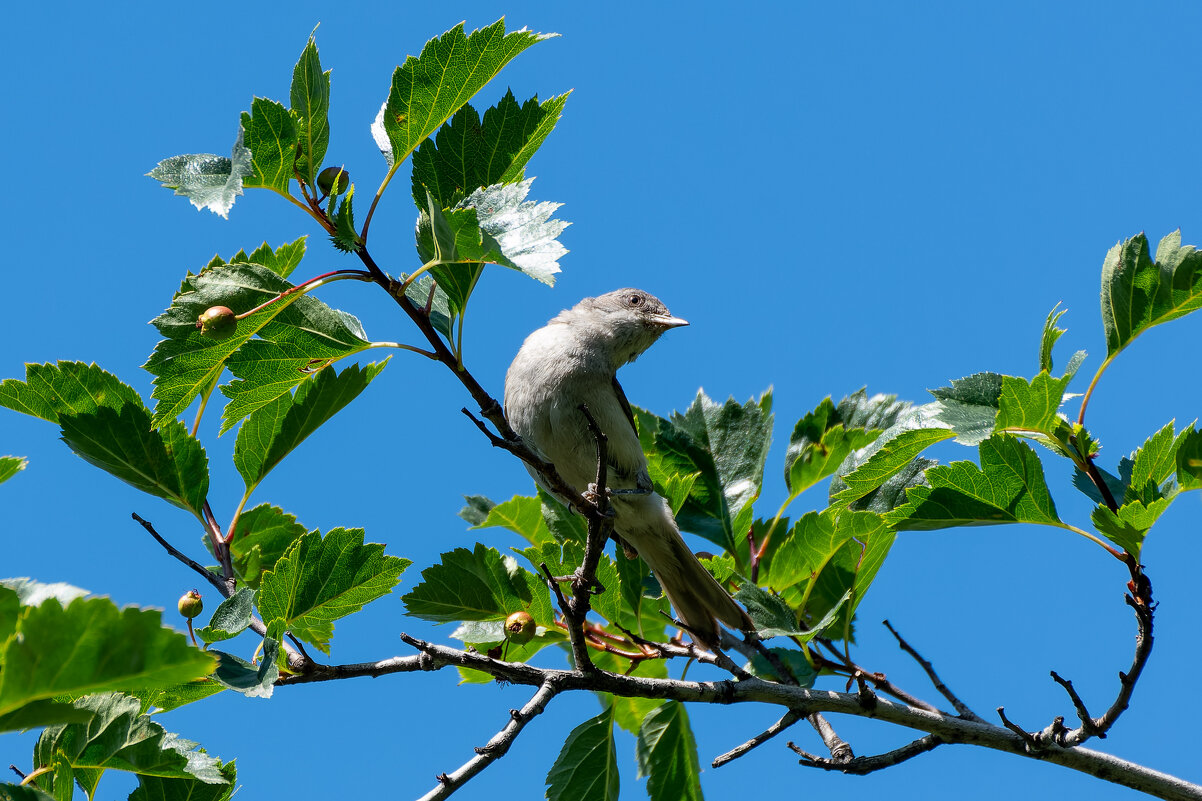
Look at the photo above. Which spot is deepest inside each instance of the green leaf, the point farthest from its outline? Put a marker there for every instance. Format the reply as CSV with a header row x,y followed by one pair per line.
x,y
50,390
470,585
898,452
642,598
564,559
271,133
521,514
467,155
476,510
321,579
1130,525
1189,459
310,97
1138,294
819,444
167,462
298,334
1008,487
34,593
167,698
119,737
231,617
726,445
564,524
16,792
10,466
667,755
274,430
587,766
425,293
794,661
261,536
806,549
281,261
1050,334
156,788
770,613
345,237
253,681
208,181
92,647
969,406
428,89
1026,407
1151,465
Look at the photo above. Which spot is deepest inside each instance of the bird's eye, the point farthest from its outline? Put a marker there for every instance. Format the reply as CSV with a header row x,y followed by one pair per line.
x,y
634,300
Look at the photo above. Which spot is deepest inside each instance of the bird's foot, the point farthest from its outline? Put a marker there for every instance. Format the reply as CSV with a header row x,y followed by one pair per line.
x,y
593,496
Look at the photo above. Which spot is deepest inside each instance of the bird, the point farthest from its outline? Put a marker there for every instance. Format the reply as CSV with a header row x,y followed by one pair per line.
x,y
574,360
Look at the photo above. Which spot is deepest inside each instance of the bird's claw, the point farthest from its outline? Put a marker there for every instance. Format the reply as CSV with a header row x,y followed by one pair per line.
x,y
593,496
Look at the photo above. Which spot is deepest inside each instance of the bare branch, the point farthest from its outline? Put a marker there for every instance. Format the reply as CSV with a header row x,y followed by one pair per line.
x,y
936,682
497,747
787,720
862,765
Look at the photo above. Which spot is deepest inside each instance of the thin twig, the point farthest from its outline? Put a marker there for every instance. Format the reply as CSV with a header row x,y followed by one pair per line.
x,y
197,567
497,747
961,707
862,765
787,720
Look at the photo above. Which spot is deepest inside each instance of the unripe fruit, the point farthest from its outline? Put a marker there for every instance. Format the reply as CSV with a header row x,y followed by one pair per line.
x,y
218,322
190,604
325,180
519,628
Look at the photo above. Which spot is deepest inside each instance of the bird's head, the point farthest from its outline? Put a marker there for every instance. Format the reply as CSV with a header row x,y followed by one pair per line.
x,y
625,322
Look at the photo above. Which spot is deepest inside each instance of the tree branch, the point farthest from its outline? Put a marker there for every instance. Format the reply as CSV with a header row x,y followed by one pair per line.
x,y
497,747
787,720
936,682
862,765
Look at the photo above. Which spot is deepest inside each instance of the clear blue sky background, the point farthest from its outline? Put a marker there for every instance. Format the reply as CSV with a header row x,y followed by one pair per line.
x,y
880,194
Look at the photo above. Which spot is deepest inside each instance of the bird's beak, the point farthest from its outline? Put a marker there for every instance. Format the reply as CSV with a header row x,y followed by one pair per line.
x,y
668,321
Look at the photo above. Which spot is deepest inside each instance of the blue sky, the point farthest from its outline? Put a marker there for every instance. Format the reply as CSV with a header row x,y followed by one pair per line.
x,y
835,196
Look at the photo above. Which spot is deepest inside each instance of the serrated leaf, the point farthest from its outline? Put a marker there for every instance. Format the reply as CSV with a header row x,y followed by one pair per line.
x,y
297,335
167,462
50,390
345,237
521,514
261,536
470,585
425,293
773,617
157,788
564,524
93,647
467,154
18,792
1116,485
819,444
321,579
310,98
281,261
231,617
1030,406
563,560
667,755
1050,334
32,593
167,698
119,737
969,406
253,681
1138,293
475,510
726,445
899,451
587,766
208,181
1189,459
10,466
1152,464
521,229
1008,487
428,89
274,430
806,549
271,133
1128,527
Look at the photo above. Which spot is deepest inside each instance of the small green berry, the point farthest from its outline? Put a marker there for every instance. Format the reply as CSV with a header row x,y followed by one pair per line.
x,y
218,322
325,180
519,628
190,604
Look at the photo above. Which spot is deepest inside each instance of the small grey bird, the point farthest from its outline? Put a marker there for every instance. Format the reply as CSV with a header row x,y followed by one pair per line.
x,y
574,360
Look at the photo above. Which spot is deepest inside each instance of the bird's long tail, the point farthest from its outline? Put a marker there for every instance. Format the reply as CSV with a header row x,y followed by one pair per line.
x,y
699,600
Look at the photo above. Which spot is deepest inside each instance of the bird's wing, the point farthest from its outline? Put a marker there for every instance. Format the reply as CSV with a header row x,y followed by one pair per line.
x,y
625,405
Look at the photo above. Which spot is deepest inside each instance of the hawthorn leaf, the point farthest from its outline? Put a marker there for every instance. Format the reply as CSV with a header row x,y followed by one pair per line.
x,y
819,444
480,584
428,89
120,737
164,699
1138,293
563,524
208,181
806,548
1129,526
898,452
970,406
794,661
587,766
167,462
253,681
281,261
1151,465
10,466
1008,487
93,646
667,755
321,579
50,390
261,536
231,617
1030,406
158,788
33,593
310,98
271,432
467,154
1189,459
345,237
425,293
521,514
271,133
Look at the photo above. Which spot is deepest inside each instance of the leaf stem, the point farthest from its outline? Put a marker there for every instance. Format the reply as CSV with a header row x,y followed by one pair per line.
x,y
1092,384
311,284
1116,554
411,348
376,200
